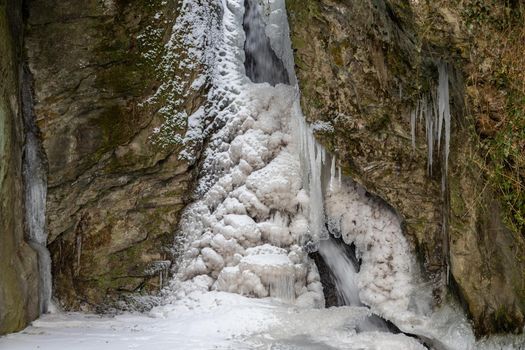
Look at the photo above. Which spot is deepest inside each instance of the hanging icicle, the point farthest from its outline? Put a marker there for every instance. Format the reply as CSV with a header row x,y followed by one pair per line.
x,y
434,110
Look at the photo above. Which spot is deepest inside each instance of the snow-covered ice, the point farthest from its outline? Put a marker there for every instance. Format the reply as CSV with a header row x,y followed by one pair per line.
x,y
243,234
219,320
213,320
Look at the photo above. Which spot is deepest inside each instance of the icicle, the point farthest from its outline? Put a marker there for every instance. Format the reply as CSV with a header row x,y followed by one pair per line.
x,y
313,159
332,173
430,139
79,252
421,103
434,109
282,286
413,128
444,108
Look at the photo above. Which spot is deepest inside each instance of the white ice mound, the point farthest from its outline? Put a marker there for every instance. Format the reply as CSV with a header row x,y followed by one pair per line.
x,y
240,227
242,235
277,184
266,271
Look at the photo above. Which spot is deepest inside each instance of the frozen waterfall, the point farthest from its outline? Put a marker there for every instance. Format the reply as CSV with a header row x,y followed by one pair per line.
x,y
269,194
277,194
243,235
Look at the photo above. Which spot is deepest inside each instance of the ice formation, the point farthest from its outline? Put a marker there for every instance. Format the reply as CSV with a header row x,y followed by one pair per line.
x,y
434,111
388,280
214,320
35,188
270,193
385,281
243,234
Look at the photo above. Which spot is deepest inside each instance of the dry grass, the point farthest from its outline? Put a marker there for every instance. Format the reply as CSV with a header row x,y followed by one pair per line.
x,y
496,96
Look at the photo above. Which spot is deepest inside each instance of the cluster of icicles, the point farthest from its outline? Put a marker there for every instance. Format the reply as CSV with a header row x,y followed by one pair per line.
x,y
434,111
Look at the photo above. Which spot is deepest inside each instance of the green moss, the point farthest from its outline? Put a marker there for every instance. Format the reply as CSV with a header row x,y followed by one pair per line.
x,y
503,321
457,203
304,10
298,43
125,79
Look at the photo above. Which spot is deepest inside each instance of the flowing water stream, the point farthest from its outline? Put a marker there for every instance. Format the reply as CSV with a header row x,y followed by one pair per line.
x,y
343,269
261,63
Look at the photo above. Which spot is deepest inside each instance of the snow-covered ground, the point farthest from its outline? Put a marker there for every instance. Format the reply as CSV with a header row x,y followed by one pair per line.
x,y
219,320
213,320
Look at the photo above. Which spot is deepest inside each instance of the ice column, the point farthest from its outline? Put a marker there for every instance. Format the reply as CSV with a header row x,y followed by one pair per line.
x,y
313,160
35,180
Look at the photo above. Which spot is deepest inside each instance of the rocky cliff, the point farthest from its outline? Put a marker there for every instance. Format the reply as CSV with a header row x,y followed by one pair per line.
x,y
108,83
19,302
363,67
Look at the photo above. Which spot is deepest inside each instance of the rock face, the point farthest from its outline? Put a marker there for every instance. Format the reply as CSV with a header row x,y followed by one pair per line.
x,y
18,261
362,67
355,68
101,82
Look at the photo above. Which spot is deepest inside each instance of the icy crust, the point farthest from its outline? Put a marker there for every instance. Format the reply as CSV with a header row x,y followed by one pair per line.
x,y
218,320
241,236
388,280
385,278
